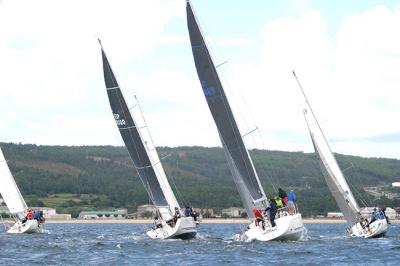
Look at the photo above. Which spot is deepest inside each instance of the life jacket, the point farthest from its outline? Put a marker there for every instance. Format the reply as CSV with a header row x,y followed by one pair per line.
x,y
279,203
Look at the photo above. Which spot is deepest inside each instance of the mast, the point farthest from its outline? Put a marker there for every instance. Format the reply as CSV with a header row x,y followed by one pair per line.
x,y
240,163
331,171
140,146
9,190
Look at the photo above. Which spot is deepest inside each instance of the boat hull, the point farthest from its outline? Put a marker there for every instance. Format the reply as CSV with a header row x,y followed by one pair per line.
x,y
185,228
288,228
378,228
29,227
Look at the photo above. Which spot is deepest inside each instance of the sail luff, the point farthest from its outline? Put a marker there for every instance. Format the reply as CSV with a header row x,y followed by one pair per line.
x,y
9,190
239,159
140,146
333,175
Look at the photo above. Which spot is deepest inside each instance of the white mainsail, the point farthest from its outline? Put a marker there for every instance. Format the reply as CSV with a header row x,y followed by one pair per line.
x,y
333,175
9,190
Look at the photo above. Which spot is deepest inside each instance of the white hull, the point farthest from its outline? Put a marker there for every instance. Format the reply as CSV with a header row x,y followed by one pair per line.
x,y
378,228
29,227
185,228
288,228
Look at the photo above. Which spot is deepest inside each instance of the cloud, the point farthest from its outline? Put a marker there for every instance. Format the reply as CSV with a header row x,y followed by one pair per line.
x,y
51,65
351,80
53,92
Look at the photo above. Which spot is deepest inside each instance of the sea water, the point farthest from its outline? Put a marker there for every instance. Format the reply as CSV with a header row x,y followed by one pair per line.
x,y
127,244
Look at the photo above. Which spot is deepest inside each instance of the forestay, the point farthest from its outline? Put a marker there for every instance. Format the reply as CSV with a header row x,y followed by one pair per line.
x,y
333,175
140,146
9,190
241,165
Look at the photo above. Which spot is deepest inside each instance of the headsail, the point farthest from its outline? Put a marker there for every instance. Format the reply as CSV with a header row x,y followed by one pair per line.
x,y
140,146
241,165
9,190
333,175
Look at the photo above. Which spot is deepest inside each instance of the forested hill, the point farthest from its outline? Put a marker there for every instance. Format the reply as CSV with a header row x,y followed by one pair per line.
x,y
104,177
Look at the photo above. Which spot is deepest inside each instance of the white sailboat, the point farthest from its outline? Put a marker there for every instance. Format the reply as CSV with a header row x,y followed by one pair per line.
x,y
138,141
357,226
289,226
15,202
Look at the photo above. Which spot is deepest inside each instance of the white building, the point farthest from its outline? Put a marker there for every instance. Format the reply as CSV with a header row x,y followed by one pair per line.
x,y
396,184
147,208
335,215
234,212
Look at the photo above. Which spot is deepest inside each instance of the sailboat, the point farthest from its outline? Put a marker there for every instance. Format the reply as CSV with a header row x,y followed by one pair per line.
x,y
357,226
288,226
138,141
15,202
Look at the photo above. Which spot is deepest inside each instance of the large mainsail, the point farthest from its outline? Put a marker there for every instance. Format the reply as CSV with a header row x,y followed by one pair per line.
x,y
241,165
333,175
140,146
9,190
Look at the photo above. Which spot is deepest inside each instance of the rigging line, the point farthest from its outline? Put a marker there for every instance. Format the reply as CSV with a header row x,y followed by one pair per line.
x,y
273,177
182,199
312,112
368,199
164,185
114,80
359,194
245,156
215,75
233,123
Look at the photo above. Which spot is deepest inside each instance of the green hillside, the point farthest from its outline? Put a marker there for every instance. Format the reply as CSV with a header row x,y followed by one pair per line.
x,y
80,178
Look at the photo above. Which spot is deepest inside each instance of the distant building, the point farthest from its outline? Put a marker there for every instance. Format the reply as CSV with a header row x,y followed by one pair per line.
x,y
335,215
233,212
4,210
147,208
396,184
115,214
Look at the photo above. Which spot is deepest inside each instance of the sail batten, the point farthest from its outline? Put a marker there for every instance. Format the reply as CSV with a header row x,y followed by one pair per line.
x,y
330,169
9,190
238,157
140,146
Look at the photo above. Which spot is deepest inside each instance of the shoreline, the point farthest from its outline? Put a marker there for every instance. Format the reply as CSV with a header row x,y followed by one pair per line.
x,y
203,221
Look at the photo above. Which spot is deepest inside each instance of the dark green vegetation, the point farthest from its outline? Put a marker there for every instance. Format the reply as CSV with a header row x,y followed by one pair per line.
x,y
101,177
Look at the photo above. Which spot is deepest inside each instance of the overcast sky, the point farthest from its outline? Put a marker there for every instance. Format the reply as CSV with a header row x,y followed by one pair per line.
x,y
346,54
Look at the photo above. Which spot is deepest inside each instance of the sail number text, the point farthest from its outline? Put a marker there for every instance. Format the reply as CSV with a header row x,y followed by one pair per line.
x,y
120,122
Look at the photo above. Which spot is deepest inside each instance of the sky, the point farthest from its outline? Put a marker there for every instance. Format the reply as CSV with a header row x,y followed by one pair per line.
x,y
345,53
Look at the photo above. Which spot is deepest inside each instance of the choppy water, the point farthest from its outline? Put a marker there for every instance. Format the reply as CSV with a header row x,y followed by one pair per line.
x,y
111,244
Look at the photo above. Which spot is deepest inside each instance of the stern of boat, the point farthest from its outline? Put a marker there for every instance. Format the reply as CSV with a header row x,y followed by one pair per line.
x,y
29,227
185,228
378,228
288,228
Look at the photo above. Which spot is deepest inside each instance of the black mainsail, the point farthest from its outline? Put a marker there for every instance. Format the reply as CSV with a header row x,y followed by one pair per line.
x,y
141,151
241,165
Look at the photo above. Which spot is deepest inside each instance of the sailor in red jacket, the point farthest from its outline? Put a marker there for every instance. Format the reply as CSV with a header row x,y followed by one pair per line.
x,y
259,217
29,215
